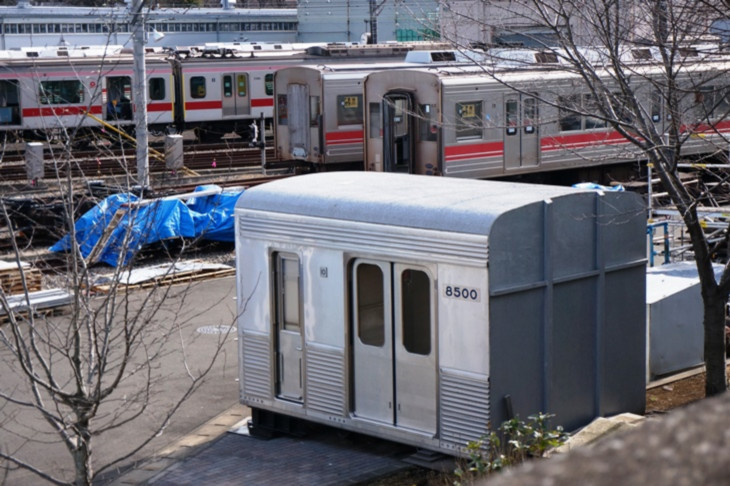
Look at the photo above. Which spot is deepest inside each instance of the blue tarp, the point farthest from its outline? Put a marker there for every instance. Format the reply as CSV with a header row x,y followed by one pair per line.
x,y
209,217
598,187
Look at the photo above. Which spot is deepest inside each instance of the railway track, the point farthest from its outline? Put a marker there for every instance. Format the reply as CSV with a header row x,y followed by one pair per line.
x,y
114,162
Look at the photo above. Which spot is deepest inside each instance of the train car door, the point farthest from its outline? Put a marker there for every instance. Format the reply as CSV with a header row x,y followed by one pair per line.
x,y
397,132
236,98
119,98
521,133
288,327
394,351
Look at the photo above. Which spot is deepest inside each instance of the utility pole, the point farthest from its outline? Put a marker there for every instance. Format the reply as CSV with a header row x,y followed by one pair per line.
x,y
139,94
375,10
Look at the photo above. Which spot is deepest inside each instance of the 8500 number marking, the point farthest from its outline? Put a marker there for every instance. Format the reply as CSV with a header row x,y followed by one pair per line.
x,y
462,293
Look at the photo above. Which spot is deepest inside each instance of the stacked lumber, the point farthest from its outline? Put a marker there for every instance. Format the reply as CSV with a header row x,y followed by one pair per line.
x,y
11,277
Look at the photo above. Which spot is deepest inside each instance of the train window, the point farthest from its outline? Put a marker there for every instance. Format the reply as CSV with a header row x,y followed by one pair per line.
x,y
286,292
241,84
712,102
511,116
370,305
531,114
590,106
269,84
415,307
468,120
427,126
227,86
314,111
157,89
376,123
569,120
281,110
61,92
349,109
9,102
656,106
197,87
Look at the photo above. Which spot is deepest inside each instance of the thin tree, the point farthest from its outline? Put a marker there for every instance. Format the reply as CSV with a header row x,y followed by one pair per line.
x,y
81,378
650,72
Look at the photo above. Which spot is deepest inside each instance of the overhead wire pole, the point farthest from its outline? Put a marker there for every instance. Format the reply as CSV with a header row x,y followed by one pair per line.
x,y
139,94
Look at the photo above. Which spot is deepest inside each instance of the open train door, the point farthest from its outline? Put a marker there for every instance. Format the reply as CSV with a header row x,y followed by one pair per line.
x,y
398,133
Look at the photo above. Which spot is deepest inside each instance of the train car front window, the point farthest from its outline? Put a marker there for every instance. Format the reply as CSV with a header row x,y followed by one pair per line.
x,y
376,123
63,92
469,120
269,84
349,109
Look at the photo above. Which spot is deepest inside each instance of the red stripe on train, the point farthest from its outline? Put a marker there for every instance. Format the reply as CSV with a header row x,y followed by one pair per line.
x,y
259,102
60,111
203,105
454,153
580,140
341,138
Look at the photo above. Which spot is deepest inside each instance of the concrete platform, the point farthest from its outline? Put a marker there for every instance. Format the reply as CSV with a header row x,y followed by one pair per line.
x,y
324,457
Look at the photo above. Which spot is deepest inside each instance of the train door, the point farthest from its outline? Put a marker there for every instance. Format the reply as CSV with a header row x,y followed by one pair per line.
x,y
288,327
119,98
394,349
397,132
236,98
521,133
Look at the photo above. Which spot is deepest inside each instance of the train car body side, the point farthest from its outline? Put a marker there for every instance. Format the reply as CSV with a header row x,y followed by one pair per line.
x,y
427,310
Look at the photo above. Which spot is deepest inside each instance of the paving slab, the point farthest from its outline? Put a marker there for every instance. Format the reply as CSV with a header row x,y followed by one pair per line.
x,y
325,456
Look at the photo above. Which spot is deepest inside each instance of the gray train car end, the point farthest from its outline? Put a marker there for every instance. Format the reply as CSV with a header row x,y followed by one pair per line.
x,y
428,310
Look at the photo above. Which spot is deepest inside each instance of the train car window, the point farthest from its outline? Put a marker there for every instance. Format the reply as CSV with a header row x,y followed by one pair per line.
x,y
269,84
62,92
656,106
531,114
241,85
157,89
287,291
349,109
569,120
712,102
376,123
197,87
314,111
282,112
511,117
590,106
427,126
416,311
227,86
9,102
370,305
469,120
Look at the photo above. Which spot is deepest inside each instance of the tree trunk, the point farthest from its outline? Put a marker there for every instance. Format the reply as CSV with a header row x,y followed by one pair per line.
x,y
714,322
82,456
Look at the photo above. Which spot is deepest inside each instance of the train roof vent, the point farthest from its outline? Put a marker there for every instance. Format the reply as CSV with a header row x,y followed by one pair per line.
x,y
546,57
32,53
428,57
62,52
688,52
256,48
641,54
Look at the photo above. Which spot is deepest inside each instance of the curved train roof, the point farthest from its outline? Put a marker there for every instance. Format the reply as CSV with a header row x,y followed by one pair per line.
x,y
426,202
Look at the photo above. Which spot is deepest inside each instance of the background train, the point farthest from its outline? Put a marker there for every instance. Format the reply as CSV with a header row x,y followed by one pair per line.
x,y
498,119
215,89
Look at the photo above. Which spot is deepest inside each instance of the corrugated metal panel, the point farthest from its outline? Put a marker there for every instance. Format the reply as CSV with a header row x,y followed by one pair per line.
x,y
325,384
343,235
464,408
256,366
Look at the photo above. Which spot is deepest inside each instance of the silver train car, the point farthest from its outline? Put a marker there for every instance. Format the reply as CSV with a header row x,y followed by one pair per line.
x,y
214,89
443,122
319,109
428,310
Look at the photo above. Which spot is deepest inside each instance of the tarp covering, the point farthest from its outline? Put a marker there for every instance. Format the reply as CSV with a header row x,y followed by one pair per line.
x,y
137,225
